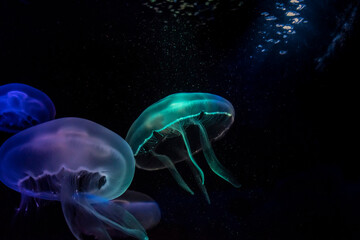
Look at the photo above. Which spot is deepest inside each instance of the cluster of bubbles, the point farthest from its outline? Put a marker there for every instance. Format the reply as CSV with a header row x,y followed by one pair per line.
x,y
281,25
203,9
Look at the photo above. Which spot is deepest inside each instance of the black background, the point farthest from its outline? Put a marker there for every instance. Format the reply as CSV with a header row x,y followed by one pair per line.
x,y
292,145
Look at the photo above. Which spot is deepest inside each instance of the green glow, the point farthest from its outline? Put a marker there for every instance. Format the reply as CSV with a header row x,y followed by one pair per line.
x,y
165,122
188,149
171,166
199,181
177,121
212,160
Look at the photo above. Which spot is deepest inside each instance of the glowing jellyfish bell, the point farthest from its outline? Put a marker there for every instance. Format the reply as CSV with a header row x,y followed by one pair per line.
x,y
80,163
22,106
174,128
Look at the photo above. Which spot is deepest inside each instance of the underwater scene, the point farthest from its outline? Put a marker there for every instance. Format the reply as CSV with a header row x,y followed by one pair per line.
x,y
179,119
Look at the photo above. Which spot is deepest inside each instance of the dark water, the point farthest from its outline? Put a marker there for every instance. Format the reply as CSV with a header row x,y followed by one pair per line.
x,y
291,145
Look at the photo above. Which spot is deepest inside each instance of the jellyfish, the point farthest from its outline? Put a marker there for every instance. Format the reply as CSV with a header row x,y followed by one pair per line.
x,y
22,106
175,128
141,206
79,163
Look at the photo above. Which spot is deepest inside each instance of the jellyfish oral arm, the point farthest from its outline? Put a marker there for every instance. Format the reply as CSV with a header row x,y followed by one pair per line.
x,y
198,173
85,219
181,130
81,221
198,181
212,160
88,218
174,172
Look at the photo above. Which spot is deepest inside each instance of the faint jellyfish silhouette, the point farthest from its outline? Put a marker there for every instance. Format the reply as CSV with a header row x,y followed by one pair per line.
x,y
167,132
22,106
141,206
80,163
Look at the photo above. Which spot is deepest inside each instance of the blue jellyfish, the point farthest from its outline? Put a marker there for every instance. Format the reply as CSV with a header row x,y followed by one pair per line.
x,y
80,163
175,128
22,106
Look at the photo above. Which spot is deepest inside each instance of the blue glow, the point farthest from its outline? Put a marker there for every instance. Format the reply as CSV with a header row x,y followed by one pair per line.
x,y
79,163
22,106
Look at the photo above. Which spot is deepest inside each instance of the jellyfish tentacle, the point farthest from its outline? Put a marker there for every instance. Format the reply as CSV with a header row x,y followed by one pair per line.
x,y
75,213
24,202
120,219
90,215
181,130
211,158
199,181
166,161
85,218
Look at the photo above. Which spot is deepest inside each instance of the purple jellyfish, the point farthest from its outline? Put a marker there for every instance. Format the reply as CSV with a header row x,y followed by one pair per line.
x,y
79,163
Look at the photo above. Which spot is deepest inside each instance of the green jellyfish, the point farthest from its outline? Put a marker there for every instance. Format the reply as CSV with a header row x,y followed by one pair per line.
x,y
178,126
